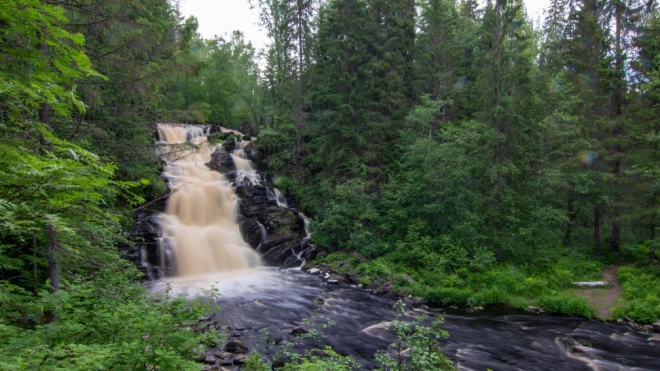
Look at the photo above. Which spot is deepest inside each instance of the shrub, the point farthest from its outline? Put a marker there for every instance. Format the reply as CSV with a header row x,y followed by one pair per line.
x,y
567,304
417,345
641,290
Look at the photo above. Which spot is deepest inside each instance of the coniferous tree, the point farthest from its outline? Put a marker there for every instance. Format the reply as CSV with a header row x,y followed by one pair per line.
x,y
438,53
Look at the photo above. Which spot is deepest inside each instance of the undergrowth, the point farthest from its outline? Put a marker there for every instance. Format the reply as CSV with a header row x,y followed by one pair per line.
x,y
641,293
493,284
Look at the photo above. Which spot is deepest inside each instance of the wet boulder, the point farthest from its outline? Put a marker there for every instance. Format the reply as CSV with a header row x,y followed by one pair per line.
x,y
236,346
252,152
221,161
281,219
144,233
229,145
286,250
254,202
253,232
277,247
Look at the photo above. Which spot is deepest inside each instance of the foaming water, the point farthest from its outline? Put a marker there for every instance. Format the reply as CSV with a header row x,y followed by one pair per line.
x,y
244,167
200,230
259,282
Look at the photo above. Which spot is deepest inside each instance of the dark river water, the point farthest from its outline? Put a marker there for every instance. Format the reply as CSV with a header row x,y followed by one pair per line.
x,y
263,306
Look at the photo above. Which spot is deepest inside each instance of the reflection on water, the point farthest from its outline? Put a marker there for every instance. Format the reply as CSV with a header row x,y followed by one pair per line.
x,y
279,301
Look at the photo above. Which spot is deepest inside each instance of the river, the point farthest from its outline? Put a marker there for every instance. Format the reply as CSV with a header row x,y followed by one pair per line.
x,y
266,304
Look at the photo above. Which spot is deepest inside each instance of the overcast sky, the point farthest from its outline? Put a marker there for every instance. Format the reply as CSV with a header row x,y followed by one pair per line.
x,y
220,17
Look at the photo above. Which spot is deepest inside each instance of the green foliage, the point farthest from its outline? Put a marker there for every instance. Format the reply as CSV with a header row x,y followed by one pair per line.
x,y
641,294
58,201
328,360
40,59
417,346
108,323
568,304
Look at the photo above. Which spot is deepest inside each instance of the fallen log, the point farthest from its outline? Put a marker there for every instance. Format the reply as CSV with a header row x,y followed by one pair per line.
x,y
591,284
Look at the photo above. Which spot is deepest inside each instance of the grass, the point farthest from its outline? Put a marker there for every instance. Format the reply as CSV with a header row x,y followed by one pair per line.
x,y
508,284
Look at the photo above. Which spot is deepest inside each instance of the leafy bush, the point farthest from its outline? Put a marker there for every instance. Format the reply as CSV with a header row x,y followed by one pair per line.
x,y
416,346
641,292
109,323
582,269
568,304
313,360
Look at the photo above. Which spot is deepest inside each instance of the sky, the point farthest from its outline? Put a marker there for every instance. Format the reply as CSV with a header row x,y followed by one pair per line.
x,y
221,17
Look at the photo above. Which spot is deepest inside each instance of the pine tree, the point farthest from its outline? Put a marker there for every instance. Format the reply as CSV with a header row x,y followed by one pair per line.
x,y
506,94
343,90
438,52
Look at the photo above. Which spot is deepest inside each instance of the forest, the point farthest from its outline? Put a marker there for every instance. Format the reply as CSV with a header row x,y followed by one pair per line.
x,y
491,158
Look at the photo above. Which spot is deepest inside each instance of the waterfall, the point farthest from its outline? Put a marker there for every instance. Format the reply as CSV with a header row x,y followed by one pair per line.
x,y
199,227
277,196
308,233
246,172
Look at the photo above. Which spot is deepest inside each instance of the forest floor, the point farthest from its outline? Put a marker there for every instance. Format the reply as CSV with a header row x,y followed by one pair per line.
x,y
604,298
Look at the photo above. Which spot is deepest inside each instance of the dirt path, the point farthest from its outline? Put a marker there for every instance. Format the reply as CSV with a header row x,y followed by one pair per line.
x,y
603,299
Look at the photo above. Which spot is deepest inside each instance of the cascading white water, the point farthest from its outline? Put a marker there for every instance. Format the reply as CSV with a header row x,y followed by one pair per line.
x,y
200,230
246,172
277,196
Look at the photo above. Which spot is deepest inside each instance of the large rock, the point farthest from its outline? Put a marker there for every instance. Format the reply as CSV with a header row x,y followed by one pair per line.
x,y
283,244
236,346
284,219
253,232
221,161
229,145
254,202
247,129
252,152
144,233
286,250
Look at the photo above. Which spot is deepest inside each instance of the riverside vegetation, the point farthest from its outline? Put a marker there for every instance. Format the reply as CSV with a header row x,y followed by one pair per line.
x,y
492,159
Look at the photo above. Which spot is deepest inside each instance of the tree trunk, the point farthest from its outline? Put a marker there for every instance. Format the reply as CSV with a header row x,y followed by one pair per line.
x,y
35,276
617,101
53,270
652,245
597,214
570,214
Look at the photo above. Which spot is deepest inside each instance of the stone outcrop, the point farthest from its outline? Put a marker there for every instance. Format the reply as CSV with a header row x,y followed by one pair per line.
x,y
252,152
276,233
143,251
221,161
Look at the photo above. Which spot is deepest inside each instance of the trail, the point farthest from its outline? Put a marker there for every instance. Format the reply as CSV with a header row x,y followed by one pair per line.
x,y
604,299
